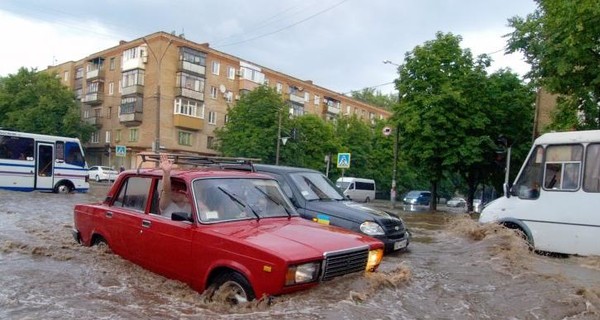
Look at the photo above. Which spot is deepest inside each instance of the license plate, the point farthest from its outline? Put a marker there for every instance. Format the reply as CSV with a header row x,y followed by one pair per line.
x,y
400,244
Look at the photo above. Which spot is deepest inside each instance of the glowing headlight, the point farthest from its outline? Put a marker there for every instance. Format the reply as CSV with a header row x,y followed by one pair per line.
x,y
371,228
302,273
375,257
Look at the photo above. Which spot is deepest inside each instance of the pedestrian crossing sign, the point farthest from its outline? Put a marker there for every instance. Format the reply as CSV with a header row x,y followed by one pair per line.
x,y
121,151
343,161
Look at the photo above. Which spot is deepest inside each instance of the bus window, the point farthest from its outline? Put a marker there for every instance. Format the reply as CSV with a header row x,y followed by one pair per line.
x,y
562,168
528,184
73,154
16,148
591,180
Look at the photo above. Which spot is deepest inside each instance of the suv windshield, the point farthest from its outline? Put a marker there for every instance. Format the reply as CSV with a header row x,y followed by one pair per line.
x,y
233,199
315,186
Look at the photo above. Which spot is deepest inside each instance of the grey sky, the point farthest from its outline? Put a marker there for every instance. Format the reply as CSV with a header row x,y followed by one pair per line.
x,y
339,44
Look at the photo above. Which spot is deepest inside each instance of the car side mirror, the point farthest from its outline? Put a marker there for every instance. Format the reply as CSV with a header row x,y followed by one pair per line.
x,y
181,216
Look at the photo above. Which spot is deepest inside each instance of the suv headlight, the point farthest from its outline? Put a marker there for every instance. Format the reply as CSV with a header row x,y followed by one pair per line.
x,y
371,228
302,273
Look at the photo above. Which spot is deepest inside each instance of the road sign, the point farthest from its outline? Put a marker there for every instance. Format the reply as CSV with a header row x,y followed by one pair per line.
x,y
343,160
121,151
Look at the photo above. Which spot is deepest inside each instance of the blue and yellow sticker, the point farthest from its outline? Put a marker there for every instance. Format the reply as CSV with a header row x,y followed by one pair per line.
x,y
322,219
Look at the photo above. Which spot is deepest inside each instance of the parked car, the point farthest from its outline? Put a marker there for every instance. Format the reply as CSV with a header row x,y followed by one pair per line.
x,y
102,173
456,202
242,234
417,197
317,199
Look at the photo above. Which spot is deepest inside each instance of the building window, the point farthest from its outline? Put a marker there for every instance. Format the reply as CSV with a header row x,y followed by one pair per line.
x,y
79,73
66,76
108,112
231,73
317,99
118,135
119,87
279,87
190,82
215,67
133,135
213,92
193,56
95,138
107,137
92,87
226,118
212,117
189,107
133,78
112,63
210,142
348,110
185,138
306,97
111,88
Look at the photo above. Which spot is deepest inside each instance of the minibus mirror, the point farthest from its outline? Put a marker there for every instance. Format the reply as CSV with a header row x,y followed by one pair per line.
x,y
507,189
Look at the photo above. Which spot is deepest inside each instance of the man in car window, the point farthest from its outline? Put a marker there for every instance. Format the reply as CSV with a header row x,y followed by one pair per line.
x,y
173,197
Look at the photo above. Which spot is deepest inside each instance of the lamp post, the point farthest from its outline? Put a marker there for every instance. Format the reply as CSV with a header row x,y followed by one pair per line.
x,y
159,65
395,164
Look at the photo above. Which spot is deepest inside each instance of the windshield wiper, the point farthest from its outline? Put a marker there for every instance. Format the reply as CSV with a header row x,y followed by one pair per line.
x,y
240,201
277,202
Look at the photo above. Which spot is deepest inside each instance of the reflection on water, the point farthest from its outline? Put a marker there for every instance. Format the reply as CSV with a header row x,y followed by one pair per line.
x,y
455,268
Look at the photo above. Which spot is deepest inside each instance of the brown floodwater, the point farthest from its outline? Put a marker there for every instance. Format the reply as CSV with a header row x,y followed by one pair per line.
x,y
454,269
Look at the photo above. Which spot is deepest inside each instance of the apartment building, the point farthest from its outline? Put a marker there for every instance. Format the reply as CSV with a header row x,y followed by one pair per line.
x,y
164,91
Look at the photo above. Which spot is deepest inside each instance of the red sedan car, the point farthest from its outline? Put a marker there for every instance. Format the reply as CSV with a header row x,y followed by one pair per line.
x,y
241,233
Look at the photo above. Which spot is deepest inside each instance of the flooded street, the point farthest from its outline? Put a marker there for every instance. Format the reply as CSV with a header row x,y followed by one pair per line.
x,y
454,269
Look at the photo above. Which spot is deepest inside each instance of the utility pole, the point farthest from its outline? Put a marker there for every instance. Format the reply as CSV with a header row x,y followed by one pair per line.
x,y
278,138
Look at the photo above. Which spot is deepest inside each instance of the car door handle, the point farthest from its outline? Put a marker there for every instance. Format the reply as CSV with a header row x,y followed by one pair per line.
x,y
108,214
146,223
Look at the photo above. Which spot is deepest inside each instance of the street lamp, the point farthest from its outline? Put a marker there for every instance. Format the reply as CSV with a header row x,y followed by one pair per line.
x,y
395,164
159,64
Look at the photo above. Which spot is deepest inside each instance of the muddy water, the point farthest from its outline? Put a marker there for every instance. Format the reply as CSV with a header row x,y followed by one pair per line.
x,y
455,269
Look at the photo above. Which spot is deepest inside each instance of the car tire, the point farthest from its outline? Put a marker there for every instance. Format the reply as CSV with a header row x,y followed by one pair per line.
x,y
97,178
367,200
231,288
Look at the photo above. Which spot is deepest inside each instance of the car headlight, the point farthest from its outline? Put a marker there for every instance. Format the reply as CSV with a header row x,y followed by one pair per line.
x,y
302,273
371,228
375,257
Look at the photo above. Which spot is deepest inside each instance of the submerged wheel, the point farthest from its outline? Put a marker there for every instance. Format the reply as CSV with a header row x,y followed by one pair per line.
x,y
231,288
97,178
368,199
63,188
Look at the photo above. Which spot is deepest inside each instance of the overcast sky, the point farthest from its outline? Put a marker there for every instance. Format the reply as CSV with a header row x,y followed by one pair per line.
x,y
339,44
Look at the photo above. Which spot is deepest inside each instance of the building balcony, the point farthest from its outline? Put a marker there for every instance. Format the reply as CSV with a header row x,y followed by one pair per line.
x,y
94,74
333,110
246,84
131,119
136,63
136,89
92,98
94,121
296,99
189,93
187,122
192,67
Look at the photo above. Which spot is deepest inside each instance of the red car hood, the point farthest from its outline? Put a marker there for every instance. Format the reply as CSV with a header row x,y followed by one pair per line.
x,y
294,238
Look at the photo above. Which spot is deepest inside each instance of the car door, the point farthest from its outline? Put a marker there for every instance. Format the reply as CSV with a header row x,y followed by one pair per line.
x,y
165,245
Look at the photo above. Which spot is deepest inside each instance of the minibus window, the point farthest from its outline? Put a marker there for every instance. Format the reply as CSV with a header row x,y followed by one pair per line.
x,y
591,179
563,164
528,183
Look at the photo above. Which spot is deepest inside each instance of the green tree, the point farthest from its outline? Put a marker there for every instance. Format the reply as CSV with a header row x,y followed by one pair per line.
x,y
37,102
375,98
560,42
310,139
355,137
439,115
253,124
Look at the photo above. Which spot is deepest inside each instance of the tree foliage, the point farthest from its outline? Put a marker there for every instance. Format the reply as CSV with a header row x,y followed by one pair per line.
x,y
375,98
560,40
37,102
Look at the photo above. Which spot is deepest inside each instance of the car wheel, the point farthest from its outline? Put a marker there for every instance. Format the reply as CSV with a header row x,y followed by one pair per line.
x,y
231,288
97,178
367,199
62,188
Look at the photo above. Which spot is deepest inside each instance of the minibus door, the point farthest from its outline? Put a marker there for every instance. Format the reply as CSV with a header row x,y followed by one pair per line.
x,y
44,167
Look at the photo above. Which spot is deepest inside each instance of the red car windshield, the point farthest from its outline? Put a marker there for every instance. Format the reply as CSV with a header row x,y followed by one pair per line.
x,y
225,199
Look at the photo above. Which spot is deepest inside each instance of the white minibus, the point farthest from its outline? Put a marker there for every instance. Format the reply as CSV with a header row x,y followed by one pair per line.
x,y
357,189
42,162
555,199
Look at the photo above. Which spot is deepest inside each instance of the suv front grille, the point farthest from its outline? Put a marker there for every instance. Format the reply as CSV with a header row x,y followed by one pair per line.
x,y
344,262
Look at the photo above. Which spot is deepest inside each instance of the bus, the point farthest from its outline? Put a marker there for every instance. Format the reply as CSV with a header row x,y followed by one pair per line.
x,y
31,162
555,199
